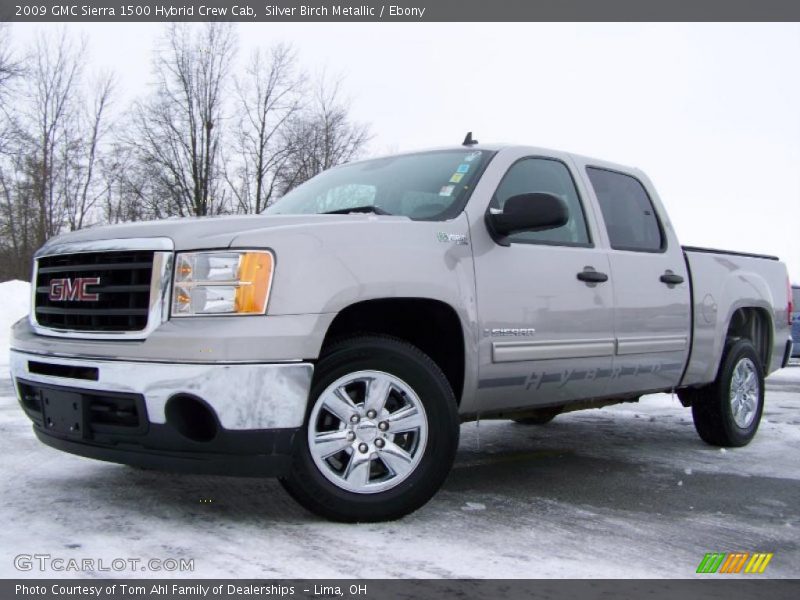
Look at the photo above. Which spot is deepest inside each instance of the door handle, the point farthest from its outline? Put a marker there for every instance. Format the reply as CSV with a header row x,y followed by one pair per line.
x,y
592,276
670,278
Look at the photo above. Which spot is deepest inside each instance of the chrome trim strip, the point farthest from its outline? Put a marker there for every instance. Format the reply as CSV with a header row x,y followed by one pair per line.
x,y
517,351
670,343
147,361
160,284
116,244
256,396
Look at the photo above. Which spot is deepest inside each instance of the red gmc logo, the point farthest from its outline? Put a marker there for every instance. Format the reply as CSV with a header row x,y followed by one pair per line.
x,y
73,290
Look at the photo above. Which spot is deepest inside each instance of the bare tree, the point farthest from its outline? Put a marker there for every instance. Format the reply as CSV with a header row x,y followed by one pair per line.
x,y
201,138
80,168
49,171
18,216
268,96
53,88
321,137
9,67
130,192
10,70
179,130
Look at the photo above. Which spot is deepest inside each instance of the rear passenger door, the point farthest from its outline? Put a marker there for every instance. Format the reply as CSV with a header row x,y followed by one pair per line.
x,y
652,317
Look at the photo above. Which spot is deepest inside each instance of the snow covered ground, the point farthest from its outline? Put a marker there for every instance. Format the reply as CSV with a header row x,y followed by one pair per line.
x,y
625,491
14,302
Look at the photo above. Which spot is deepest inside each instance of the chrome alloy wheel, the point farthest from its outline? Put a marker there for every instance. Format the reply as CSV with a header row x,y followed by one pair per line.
x,y
367,432
744,393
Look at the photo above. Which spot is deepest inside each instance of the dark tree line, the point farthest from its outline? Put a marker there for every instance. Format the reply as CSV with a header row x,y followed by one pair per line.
x,y
208,138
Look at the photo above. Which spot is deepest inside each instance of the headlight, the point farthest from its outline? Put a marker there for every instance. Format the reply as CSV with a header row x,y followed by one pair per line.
x,y
222,283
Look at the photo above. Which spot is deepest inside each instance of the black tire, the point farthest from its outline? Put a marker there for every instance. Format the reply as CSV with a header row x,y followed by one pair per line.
x,y
540,417
711,406
313,490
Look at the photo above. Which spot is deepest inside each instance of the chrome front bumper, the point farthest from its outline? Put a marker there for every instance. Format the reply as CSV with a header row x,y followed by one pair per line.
x,y
243,396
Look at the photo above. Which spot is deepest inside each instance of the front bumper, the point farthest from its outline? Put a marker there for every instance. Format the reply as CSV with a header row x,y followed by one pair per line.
x,y
249,454
211,418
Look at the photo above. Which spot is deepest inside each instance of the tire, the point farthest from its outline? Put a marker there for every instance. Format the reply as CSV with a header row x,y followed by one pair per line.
x,y
367,479
540,417
728,411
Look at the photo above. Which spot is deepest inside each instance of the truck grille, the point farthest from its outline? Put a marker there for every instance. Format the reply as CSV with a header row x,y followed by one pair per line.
x,y
94,291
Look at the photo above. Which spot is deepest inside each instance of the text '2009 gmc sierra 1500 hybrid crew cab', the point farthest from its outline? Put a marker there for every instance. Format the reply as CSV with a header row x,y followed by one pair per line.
x,y
338,340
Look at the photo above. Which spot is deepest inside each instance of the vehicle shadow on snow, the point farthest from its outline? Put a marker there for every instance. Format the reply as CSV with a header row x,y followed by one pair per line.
x,y
567,462
601,463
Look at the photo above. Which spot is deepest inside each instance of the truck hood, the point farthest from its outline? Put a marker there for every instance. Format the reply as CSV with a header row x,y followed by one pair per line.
x,y
194,233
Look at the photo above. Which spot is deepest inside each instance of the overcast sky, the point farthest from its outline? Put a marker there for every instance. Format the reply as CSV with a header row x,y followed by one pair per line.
x,y
710,111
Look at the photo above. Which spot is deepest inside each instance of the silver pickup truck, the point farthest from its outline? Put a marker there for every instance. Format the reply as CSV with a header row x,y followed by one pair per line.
x,y
338,341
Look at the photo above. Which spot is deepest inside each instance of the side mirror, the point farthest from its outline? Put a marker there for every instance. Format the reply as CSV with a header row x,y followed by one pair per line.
x,y
528,212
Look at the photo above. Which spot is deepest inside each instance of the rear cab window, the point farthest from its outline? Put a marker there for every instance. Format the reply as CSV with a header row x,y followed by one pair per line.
x,y
630,218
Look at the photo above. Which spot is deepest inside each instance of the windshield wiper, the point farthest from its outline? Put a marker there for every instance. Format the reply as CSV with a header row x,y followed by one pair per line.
x,y
367,208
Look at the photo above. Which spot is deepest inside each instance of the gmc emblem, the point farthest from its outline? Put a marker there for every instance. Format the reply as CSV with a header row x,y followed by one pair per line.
x,y
73,290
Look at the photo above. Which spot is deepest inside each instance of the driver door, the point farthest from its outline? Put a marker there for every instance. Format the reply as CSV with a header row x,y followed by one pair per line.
x,y
546,335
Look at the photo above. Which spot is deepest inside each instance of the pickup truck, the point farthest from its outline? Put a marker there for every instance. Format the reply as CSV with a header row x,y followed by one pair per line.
x,y
338,340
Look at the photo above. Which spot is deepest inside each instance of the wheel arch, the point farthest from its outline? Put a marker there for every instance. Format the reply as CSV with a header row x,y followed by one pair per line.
x,y
753,323
431,325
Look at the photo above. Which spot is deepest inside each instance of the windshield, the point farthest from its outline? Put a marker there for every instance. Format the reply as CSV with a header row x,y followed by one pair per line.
x,y
423,186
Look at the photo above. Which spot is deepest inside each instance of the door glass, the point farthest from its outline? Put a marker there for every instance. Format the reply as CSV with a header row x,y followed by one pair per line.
x,y
532,175
630,218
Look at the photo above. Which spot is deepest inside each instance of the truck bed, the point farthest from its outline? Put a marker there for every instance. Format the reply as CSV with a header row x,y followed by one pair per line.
x,y
731,252
721,283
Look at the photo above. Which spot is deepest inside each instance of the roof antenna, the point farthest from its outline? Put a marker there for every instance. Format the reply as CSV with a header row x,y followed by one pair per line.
x,y
468,141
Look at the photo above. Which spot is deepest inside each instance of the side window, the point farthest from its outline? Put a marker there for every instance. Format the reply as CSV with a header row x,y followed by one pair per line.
x,y
532,175
630,218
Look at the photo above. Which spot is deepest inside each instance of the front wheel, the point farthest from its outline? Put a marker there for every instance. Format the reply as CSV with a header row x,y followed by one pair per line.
x,y
381,432
728,412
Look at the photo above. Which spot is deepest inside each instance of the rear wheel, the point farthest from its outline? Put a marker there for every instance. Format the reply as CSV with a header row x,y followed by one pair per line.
x,y
381,432
728,412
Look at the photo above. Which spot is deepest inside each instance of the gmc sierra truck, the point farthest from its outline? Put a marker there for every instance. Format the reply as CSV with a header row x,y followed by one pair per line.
x,y
338,340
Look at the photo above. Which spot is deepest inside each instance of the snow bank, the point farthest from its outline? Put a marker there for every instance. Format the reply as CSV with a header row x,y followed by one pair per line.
x,y
790,374
15,298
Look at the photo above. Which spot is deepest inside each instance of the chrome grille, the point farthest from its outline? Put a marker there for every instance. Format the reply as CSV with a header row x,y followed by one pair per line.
x,y
116,300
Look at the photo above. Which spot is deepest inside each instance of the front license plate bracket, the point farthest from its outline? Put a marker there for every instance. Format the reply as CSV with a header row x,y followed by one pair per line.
x,y
62,412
